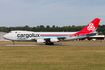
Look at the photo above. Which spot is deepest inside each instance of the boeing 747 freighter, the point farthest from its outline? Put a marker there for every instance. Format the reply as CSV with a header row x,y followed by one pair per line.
x,y
49,38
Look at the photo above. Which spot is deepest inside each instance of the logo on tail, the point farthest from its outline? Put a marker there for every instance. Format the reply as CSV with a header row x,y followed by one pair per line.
x,y
91,27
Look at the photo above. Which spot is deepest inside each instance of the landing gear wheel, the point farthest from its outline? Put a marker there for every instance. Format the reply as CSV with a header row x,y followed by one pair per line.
x,y
49,43
46,43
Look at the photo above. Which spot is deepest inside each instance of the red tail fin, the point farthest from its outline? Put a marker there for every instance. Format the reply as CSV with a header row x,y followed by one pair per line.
x,y
92,26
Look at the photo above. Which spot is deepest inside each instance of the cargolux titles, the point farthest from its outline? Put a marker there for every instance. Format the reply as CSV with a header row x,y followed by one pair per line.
x,y
28,35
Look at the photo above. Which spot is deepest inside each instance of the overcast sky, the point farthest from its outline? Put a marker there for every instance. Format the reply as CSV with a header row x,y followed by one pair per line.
x,y
50,12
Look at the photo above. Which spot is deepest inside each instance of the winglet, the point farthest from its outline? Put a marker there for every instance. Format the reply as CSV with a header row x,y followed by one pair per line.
x,y
91,27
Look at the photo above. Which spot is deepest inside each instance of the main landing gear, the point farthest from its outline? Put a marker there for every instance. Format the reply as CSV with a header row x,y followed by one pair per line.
x,y
49,43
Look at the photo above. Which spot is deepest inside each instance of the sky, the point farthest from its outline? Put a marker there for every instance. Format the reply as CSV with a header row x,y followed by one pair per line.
x,y
50,12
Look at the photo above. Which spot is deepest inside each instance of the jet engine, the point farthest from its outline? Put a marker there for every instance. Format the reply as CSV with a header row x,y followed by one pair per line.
x,y
54,39
40,40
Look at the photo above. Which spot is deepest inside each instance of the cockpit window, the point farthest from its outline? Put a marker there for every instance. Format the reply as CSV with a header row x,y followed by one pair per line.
x,y
10,32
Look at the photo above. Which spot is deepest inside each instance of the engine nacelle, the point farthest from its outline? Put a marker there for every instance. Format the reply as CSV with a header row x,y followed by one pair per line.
x,y
54,39
40,40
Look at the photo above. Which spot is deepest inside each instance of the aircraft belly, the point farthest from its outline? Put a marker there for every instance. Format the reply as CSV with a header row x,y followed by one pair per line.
x,y
73,38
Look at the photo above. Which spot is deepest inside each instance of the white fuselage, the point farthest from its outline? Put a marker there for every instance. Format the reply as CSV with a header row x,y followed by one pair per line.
x,y
32,36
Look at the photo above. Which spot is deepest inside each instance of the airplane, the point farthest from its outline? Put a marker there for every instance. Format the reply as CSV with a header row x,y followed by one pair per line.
x,y
49,38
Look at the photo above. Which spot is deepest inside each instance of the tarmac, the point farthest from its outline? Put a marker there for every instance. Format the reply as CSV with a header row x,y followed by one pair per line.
x,y
57,45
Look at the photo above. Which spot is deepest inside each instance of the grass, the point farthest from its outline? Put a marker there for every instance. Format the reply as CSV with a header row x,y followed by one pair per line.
x,y
53,57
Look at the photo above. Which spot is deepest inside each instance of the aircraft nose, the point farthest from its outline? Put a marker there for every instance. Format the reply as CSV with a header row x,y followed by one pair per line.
x,y
5,36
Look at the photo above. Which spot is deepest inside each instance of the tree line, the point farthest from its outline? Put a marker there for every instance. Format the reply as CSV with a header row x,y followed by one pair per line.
x,y
41,28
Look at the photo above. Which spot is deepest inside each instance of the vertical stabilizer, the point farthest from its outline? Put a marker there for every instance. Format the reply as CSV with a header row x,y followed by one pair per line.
x,y
91,27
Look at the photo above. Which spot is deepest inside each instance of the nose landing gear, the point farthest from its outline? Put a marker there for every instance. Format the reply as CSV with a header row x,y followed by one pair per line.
x,y
13,43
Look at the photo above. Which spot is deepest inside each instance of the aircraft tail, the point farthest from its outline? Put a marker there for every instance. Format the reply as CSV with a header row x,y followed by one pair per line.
x,y
90,28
